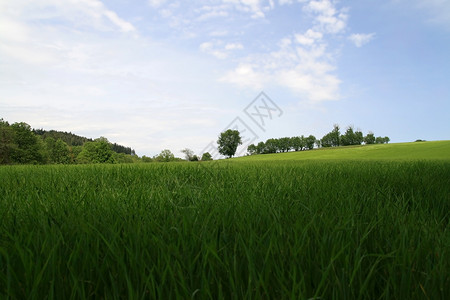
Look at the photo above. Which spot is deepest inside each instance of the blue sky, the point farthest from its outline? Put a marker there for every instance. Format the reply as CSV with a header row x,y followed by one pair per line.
x,y
157,74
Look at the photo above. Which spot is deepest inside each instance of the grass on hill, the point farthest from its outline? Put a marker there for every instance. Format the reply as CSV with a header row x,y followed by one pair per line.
x,y
436,150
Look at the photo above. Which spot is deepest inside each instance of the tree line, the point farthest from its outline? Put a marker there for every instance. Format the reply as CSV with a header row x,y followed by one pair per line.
x,y
332,139
349,138
20,144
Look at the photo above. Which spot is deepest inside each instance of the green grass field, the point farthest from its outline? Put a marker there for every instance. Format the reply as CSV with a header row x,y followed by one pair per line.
x,y
437,150
351,223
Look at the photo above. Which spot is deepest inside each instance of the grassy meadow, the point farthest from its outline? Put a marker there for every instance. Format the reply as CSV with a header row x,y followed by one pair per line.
x,y
436,150
366,222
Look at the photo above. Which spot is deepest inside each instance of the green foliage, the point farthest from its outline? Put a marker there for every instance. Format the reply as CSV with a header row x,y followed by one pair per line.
x,y
75,151
335,135
29,149
327,140
284,144
349,138
369,138
310,141
271,146
75,140
7,145
58,151
189,155
251,149
230,230
261,148
96,152
334,138
20,144
67,137
298,143
382,140
206,156
122,158
165,156
228,142
146,159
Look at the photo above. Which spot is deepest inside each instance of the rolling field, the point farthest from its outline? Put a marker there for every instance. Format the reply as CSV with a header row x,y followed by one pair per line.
x,y
350,223
437,150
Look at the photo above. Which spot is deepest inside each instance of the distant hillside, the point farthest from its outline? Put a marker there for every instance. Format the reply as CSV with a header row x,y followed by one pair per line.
x,y
76,140
436,150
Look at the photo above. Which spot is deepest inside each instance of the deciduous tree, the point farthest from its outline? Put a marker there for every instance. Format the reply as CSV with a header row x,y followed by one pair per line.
x,y
206,156
228,142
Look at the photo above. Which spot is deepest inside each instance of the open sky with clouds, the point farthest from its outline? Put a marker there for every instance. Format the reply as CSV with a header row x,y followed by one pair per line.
x,y
161,74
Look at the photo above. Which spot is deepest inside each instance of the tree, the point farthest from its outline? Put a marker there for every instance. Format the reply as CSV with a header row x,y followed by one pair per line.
x,y
296,143
318,143
30,149
165,156
335,136
58,151
261,148
351,137
387,139
147,159
251,149
75,151
206,156
284,144
7,145
379,140
369,138
228,142
271,146
327,140
359,137
188,154
99,151
122,158
310,141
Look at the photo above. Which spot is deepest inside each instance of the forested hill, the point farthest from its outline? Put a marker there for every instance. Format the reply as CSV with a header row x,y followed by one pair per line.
x,y
75,140
68,137
20,144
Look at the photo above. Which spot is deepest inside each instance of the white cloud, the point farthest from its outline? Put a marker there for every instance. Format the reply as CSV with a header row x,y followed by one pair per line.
x,y
360,39
283,2
212,11
327,17
123,25
309,38
91,14
67,66
209,48
156,3
302,63
246,75
255,7
219,49
234,46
